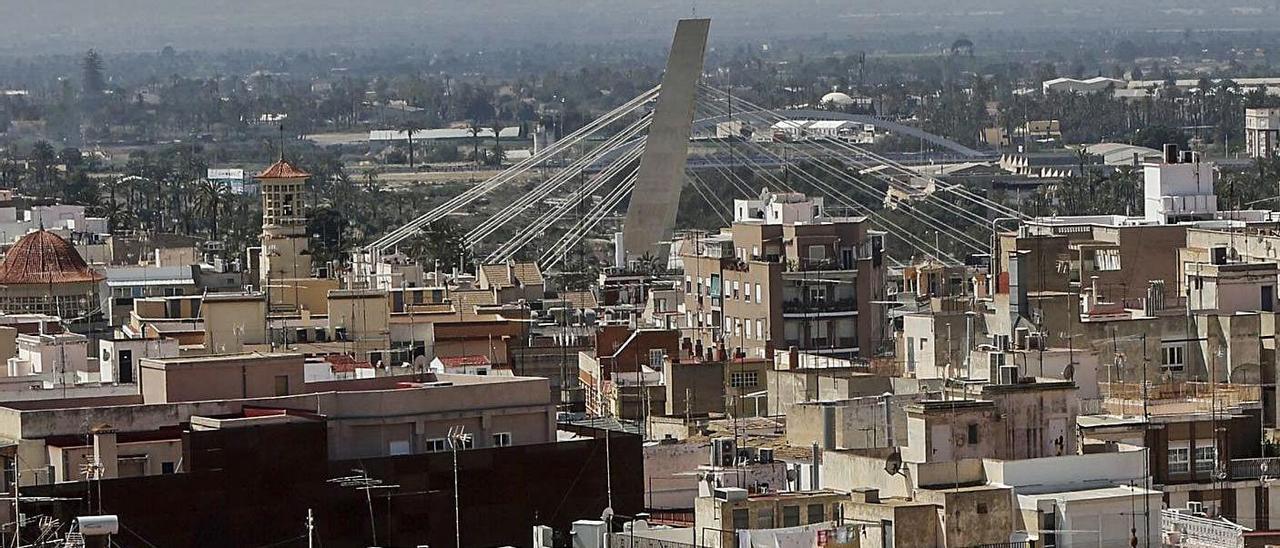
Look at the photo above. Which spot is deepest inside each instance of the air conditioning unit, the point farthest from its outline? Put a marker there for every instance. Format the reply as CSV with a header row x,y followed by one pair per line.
x,y
1008,374
723,451
1035,341
765,455
729,494
995,360
1020,337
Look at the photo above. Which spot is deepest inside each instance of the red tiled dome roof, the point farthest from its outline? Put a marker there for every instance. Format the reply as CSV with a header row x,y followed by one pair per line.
x,y
43,257
282,170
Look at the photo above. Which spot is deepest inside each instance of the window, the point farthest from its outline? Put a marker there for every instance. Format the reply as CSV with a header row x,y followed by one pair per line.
x,y
982,508
741,519
1172,356
399,447
846,258
735,289
437,445
760,332
167,468
817,513
282,385
1206,458
764,518
790,516
688,284
748,328
973,434
817,253
656,356
759,299
743,379
1107,259
502,439
466,442
1179,460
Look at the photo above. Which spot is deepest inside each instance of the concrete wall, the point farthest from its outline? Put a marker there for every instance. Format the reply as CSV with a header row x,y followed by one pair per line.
x,y
977,516
1067,472
861,423
222,377
694,388
361,424
231,323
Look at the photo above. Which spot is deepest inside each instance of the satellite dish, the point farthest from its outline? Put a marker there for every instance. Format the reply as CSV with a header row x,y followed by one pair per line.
x,y
893,463
1069,372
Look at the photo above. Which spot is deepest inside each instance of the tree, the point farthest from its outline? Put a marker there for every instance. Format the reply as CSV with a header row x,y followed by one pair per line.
x,y
475,130
209,201
499,155
91,80
410,126
443,242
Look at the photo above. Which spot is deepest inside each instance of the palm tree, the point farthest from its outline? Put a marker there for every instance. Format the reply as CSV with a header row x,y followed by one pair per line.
x,y
498,154
209,200
409,127
475,130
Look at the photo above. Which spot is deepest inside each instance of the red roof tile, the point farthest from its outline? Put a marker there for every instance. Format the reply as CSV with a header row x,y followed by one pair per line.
x,y
282,170
43,257
464,361
342,363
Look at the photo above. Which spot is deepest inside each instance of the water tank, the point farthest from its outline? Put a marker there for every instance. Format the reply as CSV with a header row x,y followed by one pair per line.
x,y
97,526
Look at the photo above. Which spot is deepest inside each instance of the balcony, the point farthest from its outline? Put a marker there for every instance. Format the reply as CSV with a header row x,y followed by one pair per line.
x,y
800,307
1248,469
815,265
1125,398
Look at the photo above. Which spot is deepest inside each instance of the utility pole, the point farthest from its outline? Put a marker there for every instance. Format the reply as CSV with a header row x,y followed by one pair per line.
x,y
311,526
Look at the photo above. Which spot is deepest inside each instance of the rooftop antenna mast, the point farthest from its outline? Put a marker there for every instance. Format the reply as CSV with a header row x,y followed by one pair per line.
x,y
281,142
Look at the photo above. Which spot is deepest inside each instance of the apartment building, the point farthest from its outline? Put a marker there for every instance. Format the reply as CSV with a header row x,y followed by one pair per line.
x,y
1261,131
786,274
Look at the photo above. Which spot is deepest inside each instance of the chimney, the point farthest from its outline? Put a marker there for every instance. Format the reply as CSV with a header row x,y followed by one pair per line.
x,y
1170,153
828,427
1017,286
814,477
106,452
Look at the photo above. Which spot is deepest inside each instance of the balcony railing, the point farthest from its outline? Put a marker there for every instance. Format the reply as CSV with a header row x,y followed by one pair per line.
x,y
800,306
1246,469
1200,532
815,265
1124,398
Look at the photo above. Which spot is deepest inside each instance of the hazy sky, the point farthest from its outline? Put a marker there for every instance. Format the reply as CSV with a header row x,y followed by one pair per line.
x,y
40,26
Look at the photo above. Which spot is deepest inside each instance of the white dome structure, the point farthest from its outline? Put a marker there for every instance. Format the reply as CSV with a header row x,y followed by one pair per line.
x,y
837,98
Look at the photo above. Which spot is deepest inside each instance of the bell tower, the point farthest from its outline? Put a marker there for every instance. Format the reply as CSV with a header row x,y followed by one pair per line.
x,y
285,246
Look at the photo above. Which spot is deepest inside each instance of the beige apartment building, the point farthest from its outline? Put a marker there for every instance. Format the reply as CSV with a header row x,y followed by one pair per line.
x,y
785,274
373,417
